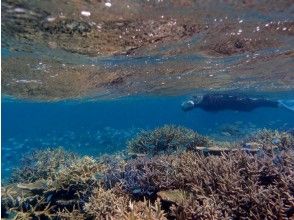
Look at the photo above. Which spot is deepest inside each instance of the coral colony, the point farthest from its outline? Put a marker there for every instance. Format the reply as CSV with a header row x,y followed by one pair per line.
x,y
167,173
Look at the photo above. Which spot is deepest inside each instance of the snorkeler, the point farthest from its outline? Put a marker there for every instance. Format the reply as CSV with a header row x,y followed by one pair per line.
x,y
220,102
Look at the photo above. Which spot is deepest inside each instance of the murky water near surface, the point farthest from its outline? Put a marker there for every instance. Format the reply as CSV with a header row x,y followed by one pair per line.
x,y
89,75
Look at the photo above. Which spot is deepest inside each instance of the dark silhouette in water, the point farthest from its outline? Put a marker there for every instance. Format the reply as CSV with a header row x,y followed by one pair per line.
x,y
220,102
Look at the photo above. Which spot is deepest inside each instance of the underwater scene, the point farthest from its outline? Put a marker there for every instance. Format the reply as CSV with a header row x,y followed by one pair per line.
x,y
147,109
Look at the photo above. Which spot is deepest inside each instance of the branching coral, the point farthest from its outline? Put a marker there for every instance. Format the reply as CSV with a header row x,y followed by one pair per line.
x,y
140,177
60,188
237,185
110,204
270,141
74,184
42,164
234,184
106,204
116,204
166,139
145,211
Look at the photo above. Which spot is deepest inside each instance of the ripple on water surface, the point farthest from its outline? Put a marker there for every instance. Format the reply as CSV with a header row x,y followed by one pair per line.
x,y
94,48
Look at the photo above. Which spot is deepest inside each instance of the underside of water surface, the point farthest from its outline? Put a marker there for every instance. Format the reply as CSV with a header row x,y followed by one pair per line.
x,y
72,49
101,117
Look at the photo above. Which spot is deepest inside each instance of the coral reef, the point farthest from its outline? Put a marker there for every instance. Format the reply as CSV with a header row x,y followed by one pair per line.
x,y
166,139
108,204
269,140
144,210
42,164
51,186
236,185
142,176
188,184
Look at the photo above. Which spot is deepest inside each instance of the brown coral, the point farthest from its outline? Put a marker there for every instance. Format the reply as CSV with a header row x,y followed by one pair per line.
x,y
145,211
270,140
166,139
42,164
234,184
58,189
105,204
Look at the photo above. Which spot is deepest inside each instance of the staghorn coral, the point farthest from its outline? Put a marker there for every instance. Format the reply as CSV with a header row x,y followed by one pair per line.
x,y
42,164
74,184
106,204
237,185
140,177
269,140
234,184
144,210
70,215
166,139
63,193
115,204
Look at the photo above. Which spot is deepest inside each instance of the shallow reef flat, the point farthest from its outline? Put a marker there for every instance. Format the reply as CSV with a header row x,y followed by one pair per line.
x,y
72,49
170,172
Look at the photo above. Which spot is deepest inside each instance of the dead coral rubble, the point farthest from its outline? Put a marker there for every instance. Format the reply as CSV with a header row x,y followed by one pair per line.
x,y
234,184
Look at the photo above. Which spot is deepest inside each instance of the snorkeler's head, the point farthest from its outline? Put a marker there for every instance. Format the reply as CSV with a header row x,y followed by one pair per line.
x,y
197,99
192,103
187,105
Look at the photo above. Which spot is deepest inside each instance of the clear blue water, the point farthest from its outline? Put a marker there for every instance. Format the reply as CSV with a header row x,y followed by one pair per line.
x,y
97,127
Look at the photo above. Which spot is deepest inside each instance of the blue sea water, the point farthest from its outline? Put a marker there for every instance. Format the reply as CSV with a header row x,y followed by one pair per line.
x,y
95,127
89,76
105,126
